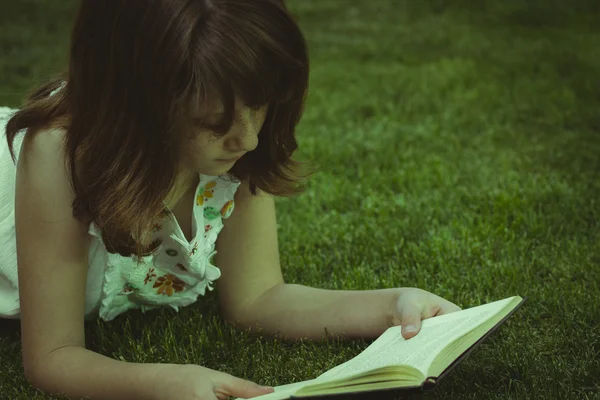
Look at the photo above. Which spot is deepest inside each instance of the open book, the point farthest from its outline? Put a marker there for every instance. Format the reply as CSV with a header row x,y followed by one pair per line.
x,y
392,365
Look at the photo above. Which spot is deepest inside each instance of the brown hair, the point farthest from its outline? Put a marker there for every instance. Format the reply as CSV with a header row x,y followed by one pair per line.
x,y
134,71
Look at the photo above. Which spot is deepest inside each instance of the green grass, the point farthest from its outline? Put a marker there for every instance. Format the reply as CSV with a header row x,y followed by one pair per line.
x,y
459,149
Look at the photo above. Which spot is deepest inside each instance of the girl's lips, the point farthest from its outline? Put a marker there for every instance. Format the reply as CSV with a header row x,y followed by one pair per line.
x,y
229,160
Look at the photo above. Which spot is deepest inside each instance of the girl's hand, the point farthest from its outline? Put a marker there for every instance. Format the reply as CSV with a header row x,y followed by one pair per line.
x,y
194,382
413,304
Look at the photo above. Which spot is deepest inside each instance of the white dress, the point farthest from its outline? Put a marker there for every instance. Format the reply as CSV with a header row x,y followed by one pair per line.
x,y
174,275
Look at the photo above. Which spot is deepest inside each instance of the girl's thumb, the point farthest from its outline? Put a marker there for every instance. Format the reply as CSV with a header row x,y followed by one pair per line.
x,y
247,389
410,319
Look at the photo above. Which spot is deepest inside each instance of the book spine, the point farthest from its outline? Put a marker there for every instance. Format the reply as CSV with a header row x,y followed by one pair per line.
x,y
429,384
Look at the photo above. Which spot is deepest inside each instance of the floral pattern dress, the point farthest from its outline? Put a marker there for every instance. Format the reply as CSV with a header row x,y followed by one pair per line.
x,y
177,272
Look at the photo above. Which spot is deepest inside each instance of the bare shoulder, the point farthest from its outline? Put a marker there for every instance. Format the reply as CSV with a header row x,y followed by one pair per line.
x,y
43,146
42,158
243,193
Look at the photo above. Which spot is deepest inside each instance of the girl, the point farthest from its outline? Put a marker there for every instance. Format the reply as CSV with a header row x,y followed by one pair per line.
x,y
147,172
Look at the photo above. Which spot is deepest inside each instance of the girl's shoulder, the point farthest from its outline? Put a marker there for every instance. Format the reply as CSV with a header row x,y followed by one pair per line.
x,y
42,152
44,147
43,173
47,141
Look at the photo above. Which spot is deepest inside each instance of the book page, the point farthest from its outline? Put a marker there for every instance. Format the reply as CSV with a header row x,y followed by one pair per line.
x,y
392,349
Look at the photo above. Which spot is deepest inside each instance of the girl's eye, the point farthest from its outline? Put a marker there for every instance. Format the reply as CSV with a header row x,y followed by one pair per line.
x,y
255,107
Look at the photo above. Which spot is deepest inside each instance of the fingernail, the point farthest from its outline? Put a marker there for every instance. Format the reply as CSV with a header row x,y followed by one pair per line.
x,y
410,328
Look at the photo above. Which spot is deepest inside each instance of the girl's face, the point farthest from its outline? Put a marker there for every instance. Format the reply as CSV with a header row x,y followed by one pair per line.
x,y
206,152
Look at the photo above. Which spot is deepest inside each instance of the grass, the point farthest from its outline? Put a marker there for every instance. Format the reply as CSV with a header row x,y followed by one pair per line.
x,y
459,149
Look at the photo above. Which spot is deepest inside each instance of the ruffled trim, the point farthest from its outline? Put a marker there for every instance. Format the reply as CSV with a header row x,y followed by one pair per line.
x,y
111,305
122,271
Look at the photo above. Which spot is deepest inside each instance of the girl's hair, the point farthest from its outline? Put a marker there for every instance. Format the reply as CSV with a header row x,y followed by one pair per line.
x,y
135,72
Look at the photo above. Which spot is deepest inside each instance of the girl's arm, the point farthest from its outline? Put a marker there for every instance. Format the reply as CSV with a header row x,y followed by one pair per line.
x,y
299,311
52,256
77,372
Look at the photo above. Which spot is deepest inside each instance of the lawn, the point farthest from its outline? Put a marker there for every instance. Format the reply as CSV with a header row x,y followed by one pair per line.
x,y
458,145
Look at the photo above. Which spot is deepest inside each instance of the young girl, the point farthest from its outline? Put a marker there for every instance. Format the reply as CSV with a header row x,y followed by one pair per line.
x,y
147,172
